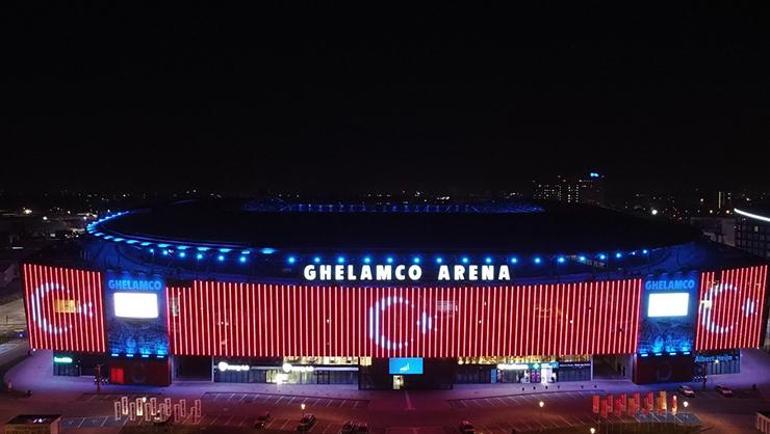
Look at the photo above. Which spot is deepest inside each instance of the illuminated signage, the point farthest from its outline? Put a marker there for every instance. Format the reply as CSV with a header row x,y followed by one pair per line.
x,y
288,367
669,284
453,273
135,304
405,365
225,367
512,366
62,359
134,284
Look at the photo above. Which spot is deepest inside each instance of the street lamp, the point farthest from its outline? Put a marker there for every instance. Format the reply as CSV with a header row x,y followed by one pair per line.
x,y
592,430
541,404
302,406
685,404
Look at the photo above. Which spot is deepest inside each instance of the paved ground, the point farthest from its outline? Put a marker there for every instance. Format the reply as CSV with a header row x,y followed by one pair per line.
x,y
494,409
278,399
12,316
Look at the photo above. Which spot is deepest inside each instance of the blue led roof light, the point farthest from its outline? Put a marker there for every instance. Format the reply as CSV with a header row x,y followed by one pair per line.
x,y
514,260
291,259
439,259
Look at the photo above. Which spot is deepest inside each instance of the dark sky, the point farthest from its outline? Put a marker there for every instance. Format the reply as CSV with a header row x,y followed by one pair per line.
x,y
319,99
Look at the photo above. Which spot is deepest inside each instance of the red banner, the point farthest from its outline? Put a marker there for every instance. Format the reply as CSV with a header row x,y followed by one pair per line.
x,y
264,320
64,308
730,311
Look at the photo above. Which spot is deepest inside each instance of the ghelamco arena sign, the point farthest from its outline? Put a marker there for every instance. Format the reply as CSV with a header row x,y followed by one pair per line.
x,y
390,272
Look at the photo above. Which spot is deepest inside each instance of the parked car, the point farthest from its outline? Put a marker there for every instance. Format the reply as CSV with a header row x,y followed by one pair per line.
x,y
687,391
348,427
262,420
466,427
724,391
161,419
307,421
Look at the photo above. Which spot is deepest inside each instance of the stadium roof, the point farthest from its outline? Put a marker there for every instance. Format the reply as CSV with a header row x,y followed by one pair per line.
x,y
549,228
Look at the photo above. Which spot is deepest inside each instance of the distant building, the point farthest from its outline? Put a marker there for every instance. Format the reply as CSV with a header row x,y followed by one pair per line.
x,y
718,229
752,230
580,189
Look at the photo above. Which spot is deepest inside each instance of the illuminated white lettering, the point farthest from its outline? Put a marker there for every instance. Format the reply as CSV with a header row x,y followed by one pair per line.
x,y
400,272
339,272
351,273
309,272
487,272
459,272
366,272
384,272
325,272
504,273
415,272
443,273
473,272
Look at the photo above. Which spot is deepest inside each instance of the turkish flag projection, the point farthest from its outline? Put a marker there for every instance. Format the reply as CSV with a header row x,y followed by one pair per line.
x,y
64,308
274,320
730,311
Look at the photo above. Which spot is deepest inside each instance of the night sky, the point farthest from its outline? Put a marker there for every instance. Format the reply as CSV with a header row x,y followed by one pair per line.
x,y
354,99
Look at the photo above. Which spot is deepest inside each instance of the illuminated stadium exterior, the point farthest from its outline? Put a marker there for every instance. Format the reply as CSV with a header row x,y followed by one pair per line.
x,y
391,296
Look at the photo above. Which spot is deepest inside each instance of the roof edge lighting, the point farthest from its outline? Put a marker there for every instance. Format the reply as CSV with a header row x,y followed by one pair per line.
x,y
752,216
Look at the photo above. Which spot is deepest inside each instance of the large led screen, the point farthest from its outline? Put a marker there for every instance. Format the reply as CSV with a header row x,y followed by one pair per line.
x,y
136,314
64,308
668,304
730,308
405,366
135,305
273,320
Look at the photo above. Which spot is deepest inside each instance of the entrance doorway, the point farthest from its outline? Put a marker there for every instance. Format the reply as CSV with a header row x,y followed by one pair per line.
x,y
398,382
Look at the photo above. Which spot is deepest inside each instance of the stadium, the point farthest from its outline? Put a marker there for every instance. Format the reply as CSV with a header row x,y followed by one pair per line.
x,y
392,296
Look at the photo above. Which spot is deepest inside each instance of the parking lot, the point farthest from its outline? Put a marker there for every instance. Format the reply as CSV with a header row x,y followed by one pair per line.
x,y
112,397
281,400
527,400
280,424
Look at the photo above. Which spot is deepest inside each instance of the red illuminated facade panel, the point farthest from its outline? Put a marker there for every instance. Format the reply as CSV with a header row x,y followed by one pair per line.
x,y
730,311
265,320
64,308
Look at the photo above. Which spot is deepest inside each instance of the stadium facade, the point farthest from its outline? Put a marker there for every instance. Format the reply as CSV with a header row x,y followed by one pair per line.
x,y
393,296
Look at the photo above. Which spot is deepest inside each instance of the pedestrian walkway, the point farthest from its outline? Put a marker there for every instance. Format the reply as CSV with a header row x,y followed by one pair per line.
x,y
529,399
282,399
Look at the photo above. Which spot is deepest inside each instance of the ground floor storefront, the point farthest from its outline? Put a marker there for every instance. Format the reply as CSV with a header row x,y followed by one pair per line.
x,y
390,373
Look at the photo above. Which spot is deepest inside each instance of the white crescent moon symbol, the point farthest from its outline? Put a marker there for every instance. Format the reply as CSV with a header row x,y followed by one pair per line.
x,y
38,315
748,308
379,308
